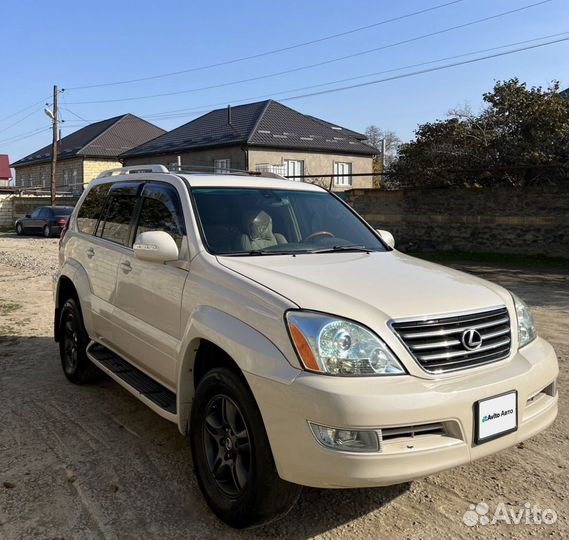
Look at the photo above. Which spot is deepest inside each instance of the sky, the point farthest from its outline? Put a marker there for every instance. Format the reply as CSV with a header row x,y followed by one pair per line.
x,y
76,44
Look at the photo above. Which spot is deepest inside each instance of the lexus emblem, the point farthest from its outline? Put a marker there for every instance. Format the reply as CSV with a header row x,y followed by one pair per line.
x,y
471,339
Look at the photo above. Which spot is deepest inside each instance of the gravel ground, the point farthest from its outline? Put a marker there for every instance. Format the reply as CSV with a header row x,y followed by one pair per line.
x,y
94,462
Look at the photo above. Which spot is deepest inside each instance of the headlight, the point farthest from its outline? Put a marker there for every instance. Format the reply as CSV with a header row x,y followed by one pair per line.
x,y
327,344
526,328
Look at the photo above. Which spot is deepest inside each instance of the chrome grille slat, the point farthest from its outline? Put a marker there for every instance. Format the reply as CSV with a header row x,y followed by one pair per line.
x,y
465,352
437,345
438,333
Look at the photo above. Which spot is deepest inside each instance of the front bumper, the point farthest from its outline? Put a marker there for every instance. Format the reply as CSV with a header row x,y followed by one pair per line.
x,y
375,403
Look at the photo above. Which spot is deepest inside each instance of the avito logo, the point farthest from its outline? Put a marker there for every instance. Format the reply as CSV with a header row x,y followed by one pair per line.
x,y
493,416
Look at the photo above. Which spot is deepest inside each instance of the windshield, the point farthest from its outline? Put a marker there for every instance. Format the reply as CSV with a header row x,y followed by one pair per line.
x,y
257,221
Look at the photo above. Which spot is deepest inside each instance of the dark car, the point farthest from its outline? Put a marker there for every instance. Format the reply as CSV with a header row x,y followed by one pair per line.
x,y
46,220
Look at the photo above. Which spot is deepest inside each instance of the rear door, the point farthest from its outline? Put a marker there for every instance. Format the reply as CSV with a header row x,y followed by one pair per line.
x,y
101,253
149,295
33,223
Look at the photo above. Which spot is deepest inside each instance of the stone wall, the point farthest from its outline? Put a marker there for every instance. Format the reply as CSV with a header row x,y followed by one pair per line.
x,y
530,221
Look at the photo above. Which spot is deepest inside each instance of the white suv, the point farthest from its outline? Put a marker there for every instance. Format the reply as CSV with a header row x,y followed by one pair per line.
x,y
288,339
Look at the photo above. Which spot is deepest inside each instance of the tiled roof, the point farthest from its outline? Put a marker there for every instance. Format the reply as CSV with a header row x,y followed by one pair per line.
x,y
107,138
5,172
265,123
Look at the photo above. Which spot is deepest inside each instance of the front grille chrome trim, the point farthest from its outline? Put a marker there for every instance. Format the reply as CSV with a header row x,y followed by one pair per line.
x,y
434,344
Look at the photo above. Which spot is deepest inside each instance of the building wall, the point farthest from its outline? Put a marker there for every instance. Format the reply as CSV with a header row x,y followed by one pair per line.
x,y
529,221
317,163
202,159
314,163
93,167
70,172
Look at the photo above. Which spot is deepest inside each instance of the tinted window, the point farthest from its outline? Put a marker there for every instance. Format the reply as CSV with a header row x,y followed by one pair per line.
x,y
62,210
161,212
91,209
36,213
244,220
116,226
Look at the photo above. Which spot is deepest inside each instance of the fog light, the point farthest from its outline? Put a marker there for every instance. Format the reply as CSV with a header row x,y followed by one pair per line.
x,y
346,440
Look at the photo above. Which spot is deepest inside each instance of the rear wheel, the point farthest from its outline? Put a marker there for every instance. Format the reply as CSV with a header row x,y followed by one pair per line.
x,y
73,341
19,229
232,457
47,231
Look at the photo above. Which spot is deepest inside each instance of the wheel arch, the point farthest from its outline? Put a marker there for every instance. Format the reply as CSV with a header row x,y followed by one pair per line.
x,y
217,339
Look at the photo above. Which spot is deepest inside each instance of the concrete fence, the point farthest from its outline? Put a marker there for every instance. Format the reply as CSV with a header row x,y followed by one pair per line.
x,y
529,221
14,206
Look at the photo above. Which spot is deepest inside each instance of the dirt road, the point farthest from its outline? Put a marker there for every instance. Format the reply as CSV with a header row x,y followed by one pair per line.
x,y
93,462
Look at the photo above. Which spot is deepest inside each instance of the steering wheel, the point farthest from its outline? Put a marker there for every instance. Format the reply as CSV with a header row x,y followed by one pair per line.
x,y
317,234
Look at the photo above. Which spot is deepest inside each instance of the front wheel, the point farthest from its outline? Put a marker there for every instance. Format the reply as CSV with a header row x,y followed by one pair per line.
x,y
19,229
232,457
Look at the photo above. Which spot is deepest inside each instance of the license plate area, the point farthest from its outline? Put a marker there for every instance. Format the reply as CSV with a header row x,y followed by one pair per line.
x,y
496,416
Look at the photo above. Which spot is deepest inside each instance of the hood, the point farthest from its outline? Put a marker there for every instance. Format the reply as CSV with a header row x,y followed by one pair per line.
x,y
349,284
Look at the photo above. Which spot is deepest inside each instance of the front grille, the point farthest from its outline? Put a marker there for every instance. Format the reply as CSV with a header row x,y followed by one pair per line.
x,y
412,431
438,345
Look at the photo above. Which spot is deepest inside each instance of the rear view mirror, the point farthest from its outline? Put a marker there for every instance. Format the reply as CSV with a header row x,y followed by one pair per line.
x,y
155,246
387,237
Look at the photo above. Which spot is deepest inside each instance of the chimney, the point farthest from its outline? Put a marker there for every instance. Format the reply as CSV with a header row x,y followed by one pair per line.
x,y
229,114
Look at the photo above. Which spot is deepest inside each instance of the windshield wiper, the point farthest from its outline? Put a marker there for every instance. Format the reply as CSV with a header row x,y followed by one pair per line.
x,y
266,252
349,247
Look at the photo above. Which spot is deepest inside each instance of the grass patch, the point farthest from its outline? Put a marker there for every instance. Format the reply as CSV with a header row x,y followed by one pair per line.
x,y
496,259
6,309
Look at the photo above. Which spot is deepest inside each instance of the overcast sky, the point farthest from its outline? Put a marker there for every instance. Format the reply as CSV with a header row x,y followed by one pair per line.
x,y
87,43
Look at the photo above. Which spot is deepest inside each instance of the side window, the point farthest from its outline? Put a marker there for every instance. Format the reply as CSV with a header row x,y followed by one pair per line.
x,y
36,213
116,227
161,211
92,208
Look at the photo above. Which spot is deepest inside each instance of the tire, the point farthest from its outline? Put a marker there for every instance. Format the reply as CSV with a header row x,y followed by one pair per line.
x,y
46,231
19,229
246,490
73,341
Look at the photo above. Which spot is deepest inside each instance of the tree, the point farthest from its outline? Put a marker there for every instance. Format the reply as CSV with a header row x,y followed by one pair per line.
x,y
374,137
520,137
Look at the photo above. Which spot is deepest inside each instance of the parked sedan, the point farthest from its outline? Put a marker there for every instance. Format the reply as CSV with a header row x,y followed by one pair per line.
x,y
46,220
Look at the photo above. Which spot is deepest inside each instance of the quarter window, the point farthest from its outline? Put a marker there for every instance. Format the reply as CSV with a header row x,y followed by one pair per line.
x,y
92,208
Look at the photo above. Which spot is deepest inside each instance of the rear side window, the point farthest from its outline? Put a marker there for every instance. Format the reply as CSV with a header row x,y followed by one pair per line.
x,y
116,227
161,211
92,209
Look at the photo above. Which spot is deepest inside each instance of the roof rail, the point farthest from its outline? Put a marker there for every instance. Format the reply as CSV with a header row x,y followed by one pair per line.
x,y
134,169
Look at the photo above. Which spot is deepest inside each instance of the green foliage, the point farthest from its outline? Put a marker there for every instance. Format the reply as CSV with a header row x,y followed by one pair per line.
x,y
520,137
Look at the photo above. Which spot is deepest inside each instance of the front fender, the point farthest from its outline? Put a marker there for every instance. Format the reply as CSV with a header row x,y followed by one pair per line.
x,y
252,352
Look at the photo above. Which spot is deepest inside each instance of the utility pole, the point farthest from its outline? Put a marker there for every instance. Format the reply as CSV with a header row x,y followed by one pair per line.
x,y
54,146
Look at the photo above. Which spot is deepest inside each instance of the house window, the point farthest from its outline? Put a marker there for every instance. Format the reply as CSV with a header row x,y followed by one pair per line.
x,y
30,181
221,166
343,169
294,167
42,177
65,178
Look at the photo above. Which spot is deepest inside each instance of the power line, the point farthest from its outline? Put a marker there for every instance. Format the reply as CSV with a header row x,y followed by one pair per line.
x,y
273,51
438,68
23,110
318,64
184,112
23,136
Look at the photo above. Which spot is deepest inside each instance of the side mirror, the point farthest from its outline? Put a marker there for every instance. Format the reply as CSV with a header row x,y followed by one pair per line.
x,y
155,246
28,216
387,237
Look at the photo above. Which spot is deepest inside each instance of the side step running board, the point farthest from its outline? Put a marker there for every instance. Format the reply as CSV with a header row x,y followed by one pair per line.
x,y
136,379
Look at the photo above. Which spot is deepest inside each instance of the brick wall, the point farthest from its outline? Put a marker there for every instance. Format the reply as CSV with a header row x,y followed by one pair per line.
x,y
531,221
6,211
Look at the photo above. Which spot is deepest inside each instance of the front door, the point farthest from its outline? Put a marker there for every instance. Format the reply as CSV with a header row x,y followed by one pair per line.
x,y
149,295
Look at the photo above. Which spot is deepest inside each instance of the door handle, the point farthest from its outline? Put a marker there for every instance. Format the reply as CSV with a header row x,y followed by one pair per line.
x,y
126,267
90,253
